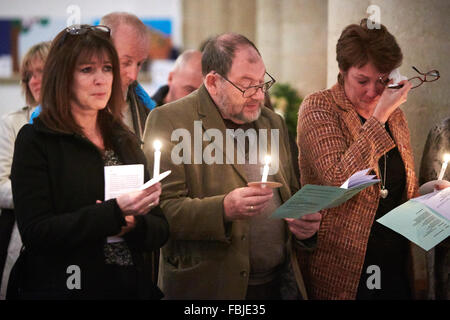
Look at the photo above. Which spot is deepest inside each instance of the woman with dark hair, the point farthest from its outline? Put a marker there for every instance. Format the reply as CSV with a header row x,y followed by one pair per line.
x,y
58,183
352,126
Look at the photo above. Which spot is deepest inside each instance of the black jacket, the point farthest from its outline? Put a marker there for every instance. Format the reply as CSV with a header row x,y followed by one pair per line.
x,y
160,95
56,180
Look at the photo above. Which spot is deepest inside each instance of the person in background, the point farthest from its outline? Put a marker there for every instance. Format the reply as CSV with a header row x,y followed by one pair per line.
x,y
131,39
223,245
58,183
355,125
185,77
10,124
436,146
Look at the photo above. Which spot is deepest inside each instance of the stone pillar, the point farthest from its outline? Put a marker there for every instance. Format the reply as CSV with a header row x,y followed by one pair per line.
x,y
205,18
291,35
268,35
304,41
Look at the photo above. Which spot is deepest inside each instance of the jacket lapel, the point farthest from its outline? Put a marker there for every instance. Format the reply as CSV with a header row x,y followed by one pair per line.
x,y
212,119
348,114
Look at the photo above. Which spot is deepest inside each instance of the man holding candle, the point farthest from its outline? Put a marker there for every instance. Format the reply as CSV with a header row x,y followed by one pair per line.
x,y
223,244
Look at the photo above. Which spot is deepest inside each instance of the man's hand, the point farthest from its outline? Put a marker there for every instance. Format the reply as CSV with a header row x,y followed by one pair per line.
x,y
442,185
306,226
243,203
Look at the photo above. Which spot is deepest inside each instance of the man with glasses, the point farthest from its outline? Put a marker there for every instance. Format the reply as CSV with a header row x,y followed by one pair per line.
x,y
223,245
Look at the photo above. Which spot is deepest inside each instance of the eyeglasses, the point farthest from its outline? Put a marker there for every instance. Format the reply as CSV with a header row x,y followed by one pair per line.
x,y
429,76
77,29
250,91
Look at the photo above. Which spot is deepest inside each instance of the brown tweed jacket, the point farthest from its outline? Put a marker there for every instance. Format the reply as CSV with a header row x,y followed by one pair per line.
x,y
333,144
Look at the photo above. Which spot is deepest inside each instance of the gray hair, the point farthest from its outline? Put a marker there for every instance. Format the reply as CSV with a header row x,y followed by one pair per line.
x,y
219,52
184,58
114,19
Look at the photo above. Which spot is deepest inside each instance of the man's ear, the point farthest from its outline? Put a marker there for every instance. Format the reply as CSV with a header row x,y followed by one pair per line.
x,y
211,83
170,78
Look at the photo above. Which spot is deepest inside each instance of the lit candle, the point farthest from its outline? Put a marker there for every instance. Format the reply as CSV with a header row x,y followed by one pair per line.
x,y
266,169
444,166
157,146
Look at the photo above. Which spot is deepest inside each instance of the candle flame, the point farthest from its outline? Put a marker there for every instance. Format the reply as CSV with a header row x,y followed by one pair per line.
x,y
157,145
447,157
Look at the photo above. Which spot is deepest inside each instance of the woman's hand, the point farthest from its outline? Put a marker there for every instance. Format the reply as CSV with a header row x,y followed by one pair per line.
x,y
139,202
390,100
306,226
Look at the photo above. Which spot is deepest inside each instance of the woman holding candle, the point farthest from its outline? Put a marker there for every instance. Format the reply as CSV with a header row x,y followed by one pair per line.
x,y
58,183
353,126
434,166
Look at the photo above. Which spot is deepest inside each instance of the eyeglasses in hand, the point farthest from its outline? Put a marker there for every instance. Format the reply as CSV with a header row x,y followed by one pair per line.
x,y
429,76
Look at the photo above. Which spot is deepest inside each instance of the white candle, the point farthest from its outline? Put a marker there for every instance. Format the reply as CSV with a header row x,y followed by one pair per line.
x,y
444,166
266,169
157,146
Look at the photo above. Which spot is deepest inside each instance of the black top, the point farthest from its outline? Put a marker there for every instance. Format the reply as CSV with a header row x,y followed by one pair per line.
x,y
386,248
56,180
160,95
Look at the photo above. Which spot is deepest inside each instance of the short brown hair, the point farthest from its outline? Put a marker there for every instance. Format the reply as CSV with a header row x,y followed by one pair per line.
x,y
219,52
359,45
57,82
38,51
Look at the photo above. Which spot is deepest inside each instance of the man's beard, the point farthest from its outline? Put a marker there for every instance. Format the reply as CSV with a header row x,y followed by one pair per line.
x,y
226,106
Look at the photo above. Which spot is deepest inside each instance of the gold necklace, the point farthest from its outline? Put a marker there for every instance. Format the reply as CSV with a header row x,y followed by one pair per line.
x,y
384,192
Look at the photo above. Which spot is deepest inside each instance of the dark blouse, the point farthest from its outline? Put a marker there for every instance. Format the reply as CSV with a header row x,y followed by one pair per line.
x,y
385,248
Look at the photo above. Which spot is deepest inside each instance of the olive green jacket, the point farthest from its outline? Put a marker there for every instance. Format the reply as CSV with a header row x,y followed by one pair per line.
x,y
205,257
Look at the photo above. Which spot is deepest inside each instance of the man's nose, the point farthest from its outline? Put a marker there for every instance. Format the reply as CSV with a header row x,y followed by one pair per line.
x,y
259,94
132,72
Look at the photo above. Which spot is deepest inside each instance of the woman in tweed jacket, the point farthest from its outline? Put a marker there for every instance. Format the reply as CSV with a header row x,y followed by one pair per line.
x,y
353,126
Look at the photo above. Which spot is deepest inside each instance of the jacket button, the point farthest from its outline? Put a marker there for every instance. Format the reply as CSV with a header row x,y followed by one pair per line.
x,y
244,237
244,274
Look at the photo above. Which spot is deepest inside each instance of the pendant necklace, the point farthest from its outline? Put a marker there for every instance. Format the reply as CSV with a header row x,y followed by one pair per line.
x,y
384,192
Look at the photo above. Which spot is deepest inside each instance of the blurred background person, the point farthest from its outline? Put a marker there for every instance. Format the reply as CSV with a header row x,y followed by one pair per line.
x,y
10,124
436,146
355,125
58,182
185,77
131,40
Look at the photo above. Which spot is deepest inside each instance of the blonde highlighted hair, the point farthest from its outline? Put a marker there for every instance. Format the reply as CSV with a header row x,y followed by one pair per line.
x,y
37,52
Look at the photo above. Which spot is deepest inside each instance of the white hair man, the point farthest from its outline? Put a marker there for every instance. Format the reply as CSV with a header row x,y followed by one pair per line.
x,y
185,77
